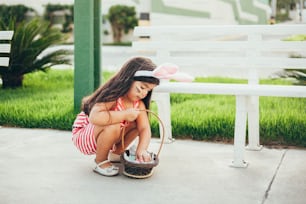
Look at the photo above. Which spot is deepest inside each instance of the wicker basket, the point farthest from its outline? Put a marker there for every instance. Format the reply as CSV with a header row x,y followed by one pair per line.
x,y
138,170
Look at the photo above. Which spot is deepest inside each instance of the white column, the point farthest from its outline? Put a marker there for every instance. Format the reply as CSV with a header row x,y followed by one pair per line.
x,y
240,130
253,123
252,102
162,101
144,12
301,10
273,7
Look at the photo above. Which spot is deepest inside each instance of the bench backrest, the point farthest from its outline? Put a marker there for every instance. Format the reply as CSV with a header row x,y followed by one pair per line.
x,y
249,48
5,47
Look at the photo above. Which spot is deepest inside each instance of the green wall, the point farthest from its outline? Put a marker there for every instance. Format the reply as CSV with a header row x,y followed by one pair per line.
x,y
247,6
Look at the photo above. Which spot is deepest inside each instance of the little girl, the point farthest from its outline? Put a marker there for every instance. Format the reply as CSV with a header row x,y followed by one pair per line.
x,y
115,106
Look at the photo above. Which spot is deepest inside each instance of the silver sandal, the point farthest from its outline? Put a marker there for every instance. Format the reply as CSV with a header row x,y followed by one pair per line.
x,y
109,171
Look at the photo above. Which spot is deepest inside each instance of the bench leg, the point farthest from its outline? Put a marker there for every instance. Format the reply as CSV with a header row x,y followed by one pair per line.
x,y
253,123
164,112
240,132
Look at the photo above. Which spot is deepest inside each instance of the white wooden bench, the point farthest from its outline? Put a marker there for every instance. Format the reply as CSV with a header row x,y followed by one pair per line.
x,y
5,47
246,49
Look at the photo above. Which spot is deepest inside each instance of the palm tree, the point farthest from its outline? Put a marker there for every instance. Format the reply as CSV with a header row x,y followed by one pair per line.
x,y
29,41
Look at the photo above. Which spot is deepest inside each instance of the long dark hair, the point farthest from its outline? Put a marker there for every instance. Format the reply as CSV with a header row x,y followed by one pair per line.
x,y
119,84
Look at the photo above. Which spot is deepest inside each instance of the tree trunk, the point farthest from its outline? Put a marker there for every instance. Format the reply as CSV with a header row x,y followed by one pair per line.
x,y
9,81
117,33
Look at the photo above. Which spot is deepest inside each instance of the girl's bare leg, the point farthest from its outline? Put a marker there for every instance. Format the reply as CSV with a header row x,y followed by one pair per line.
x,y
105,138
131,133
128,139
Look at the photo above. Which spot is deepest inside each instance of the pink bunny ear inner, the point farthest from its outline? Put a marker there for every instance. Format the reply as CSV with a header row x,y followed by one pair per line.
x,y
182,77
165,69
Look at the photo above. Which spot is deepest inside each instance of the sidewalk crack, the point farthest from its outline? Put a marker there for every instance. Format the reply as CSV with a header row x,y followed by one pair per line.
x,y
274,175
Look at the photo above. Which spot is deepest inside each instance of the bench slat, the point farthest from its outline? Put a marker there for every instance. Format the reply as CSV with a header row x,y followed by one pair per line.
x,y
4,61
232,89
5,48
220,45
234,62
6,35
220,30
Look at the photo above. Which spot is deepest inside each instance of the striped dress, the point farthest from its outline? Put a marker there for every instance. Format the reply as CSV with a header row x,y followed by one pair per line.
x,y
83,131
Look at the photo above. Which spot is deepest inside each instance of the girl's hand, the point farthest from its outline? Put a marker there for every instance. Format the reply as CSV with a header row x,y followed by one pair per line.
x,y
131,114
143,156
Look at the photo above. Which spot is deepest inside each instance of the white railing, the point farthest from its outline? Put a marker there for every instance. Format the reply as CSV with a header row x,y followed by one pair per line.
x,y
248,49
5,47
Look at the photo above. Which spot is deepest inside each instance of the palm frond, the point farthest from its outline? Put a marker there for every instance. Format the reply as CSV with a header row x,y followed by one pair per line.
x,y
298,74
30,40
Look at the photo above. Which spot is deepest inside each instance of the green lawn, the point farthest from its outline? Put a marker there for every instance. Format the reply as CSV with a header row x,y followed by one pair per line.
x,y
46,101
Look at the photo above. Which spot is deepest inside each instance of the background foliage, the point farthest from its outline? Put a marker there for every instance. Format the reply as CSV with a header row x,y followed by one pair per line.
x,y
29,41
16,12
122,18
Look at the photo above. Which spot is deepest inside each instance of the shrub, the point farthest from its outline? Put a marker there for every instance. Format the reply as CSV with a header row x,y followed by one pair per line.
x,y
29,41
122,19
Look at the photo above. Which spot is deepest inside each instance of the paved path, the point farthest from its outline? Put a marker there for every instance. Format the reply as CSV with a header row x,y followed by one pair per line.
x,y
42,166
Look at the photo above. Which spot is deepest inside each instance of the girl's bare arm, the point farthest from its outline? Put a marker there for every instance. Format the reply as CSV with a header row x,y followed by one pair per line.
x,y
101,115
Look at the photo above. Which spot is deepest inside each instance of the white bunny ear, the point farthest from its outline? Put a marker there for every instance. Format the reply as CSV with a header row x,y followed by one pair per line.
x,y
164,70
183,77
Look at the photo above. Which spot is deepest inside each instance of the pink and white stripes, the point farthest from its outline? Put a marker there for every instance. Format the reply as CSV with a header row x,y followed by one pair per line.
x,y
82,135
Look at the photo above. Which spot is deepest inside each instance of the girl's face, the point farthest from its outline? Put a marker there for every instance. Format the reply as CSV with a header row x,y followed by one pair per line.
x,y
139,90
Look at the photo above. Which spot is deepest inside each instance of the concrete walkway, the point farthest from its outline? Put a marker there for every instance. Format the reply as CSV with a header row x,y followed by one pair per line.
x,y
42,166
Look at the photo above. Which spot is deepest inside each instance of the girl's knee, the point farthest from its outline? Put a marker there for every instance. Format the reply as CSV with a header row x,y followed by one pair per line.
x,y
110,131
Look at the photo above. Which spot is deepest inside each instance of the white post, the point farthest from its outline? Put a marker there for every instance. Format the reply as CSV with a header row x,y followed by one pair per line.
x,y
274,8
253,101
253,123
144,12
164,112
301,10
240,129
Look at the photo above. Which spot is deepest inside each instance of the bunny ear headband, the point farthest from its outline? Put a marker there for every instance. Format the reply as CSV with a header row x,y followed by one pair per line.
x,y
166,71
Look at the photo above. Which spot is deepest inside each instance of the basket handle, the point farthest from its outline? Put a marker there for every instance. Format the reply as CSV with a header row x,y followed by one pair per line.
x,y
163,132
